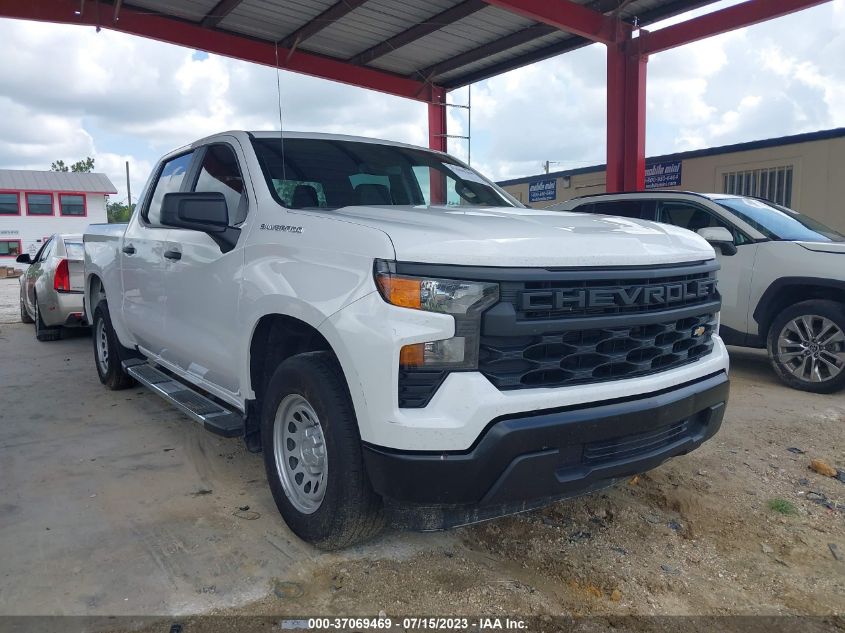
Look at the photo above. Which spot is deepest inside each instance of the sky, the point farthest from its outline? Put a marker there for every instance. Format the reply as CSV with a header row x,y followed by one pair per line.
x,y
67,92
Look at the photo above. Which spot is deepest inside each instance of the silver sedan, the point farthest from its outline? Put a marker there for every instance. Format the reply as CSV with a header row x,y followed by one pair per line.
x,y
51,288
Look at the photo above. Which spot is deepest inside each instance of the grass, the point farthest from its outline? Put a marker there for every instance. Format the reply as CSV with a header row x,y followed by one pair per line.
x,y
782,506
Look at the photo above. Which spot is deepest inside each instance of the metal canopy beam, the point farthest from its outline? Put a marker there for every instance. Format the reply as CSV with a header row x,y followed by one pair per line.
x,y
573,43
219,13
566,16
193,35
435,23
326,18
721,21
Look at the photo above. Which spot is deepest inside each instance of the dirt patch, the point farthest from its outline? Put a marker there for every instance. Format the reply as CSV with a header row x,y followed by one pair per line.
x,y
115,504
696,536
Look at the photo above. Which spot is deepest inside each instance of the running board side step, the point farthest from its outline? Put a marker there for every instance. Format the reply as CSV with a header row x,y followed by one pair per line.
x,y
211,415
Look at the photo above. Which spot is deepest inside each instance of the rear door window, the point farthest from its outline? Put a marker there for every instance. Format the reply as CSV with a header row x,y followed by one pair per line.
x,y
694,218
621,208
169,180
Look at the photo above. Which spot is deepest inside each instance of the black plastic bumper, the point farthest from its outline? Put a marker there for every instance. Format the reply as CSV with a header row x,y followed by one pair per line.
x,y
526,461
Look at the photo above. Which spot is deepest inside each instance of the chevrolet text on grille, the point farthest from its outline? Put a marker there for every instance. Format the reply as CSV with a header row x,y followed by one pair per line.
x,y
656,294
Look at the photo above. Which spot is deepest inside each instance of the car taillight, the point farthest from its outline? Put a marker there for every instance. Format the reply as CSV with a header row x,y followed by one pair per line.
x,y
61,280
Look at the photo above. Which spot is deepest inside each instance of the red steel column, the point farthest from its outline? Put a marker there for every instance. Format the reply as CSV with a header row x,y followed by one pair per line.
x,y
437,140
437,119
626,92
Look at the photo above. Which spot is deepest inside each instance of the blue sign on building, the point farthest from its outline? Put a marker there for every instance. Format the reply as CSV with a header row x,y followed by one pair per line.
x,y
542,190
660,175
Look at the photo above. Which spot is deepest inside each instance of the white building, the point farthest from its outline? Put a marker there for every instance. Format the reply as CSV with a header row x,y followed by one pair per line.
x,y
37,204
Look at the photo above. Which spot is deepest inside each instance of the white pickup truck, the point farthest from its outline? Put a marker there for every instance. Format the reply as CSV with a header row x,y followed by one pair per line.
x,y
404,340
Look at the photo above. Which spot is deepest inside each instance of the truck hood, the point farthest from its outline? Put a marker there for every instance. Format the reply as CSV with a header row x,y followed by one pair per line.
x,y
502,236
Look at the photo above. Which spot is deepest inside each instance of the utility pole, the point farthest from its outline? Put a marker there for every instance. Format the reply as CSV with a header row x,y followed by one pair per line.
x,y
128,189
546,165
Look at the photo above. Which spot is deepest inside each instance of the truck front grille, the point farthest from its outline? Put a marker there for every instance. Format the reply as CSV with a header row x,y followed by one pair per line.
x,y
587,327
561,327
595,355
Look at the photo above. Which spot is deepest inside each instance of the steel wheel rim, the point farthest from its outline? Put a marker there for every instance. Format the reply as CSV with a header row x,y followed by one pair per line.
x,y
299,447
102,342
812,348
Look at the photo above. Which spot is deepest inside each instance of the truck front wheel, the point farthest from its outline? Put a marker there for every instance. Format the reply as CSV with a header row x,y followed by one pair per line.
x,y
807,346
106,356
312,454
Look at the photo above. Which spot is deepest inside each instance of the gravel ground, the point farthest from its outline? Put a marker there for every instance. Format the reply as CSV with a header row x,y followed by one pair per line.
x,y
9,300
741,526
697,536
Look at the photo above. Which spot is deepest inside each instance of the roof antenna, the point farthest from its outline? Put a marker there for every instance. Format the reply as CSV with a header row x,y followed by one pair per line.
x,y
281,122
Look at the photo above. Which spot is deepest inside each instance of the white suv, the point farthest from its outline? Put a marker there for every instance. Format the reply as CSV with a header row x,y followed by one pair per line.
x,y
782,278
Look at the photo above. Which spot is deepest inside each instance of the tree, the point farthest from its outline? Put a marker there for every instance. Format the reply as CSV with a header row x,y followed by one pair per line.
x,y
119,212
80,167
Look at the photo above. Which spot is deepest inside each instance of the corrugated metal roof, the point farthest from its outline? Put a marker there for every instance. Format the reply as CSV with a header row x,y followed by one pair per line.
x,y
271,19
193,10
487,25
31,180
405,38
373,23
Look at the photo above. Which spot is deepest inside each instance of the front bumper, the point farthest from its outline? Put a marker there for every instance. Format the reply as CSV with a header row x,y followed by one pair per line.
x,y
525,461
367,337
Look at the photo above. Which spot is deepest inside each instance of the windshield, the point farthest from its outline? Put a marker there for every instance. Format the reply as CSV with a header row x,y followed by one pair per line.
x,y
330,174
779,223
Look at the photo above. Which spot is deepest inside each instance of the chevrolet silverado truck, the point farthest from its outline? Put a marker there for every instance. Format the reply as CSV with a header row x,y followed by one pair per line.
x,y
403,340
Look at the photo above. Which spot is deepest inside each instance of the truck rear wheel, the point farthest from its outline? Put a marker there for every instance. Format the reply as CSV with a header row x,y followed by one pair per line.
x,y
312,454
807,346
106,355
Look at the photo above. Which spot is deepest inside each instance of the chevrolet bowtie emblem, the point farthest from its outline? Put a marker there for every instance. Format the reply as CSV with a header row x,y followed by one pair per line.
x,y
699,331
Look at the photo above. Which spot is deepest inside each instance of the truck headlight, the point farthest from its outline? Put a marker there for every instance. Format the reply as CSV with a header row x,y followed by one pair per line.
x,y
464,300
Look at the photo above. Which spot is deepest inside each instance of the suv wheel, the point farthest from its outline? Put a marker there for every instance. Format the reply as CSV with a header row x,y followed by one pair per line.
x,y
807,346
312,454
42,332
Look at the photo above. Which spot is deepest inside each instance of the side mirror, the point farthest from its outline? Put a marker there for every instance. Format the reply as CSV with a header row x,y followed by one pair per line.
x,y
23,259
204,212
719,237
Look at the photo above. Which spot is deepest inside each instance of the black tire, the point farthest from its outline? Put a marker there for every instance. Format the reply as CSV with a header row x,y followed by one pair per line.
x,y
785,365
110,371
25,318
42,332
350,511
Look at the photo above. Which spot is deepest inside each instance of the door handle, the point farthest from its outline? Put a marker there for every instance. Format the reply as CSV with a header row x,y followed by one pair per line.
x,y
174,255
129,250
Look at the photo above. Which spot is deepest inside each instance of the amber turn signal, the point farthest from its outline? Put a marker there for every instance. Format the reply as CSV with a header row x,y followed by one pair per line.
x,y
400,291
412,355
